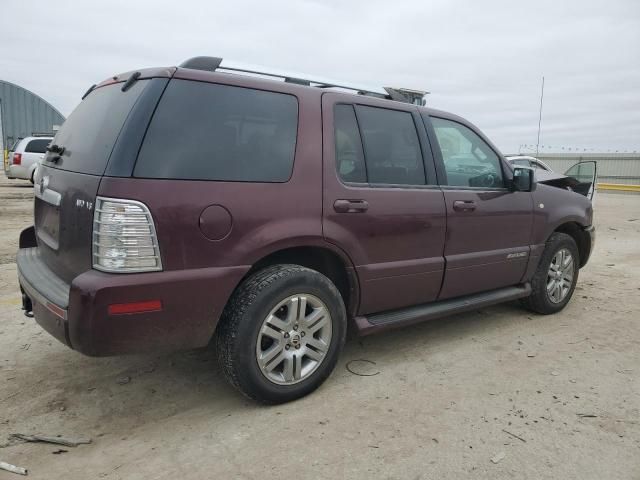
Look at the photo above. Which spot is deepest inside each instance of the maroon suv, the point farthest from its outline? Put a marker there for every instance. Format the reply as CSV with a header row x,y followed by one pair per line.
x,y
180,205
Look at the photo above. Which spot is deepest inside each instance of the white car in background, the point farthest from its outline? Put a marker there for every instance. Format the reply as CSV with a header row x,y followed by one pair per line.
x,y
527,161
580,177
25,156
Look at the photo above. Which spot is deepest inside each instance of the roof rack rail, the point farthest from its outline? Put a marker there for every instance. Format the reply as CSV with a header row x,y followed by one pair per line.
x,y
216,64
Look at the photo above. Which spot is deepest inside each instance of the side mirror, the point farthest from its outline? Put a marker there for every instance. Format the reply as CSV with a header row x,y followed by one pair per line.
x,y
523,179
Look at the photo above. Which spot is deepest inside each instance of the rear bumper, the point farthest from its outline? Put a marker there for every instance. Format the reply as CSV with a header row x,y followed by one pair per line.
x,y
44,292
78,314
18,171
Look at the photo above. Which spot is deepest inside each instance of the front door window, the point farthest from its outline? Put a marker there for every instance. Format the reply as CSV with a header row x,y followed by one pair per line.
x,y
468,160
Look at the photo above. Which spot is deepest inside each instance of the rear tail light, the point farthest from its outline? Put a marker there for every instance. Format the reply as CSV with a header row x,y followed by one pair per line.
x,y
124,237
17,159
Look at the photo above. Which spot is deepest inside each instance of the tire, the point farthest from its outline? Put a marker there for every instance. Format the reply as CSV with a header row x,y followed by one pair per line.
x,y
259,321
541,299
33,175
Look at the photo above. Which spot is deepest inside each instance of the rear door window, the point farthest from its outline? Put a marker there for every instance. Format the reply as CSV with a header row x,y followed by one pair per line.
x,y
90,132
391,146
204,131
37,146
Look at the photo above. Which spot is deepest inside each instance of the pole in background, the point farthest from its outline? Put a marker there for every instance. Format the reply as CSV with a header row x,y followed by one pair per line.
x,y
3,148
540,117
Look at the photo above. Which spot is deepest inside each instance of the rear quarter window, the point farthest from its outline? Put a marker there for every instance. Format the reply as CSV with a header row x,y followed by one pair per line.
x,y
37,146
204,131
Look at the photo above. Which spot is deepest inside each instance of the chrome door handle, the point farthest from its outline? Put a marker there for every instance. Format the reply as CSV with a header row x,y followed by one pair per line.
x,y
464,205
350,206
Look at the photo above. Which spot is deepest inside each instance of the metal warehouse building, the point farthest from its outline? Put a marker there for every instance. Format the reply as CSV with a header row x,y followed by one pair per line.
x,y
23,113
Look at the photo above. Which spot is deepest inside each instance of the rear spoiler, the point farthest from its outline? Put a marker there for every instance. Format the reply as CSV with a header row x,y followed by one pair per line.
x,y
156,72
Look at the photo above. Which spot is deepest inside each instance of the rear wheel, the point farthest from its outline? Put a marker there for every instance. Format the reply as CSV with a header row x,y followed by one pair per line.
x,y
33,176
281,333
556,276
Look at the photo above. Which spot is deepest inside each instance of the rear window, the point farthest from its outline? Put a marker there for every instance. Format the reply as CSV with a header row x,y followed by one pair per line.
x,y
90,132
204,131
38,146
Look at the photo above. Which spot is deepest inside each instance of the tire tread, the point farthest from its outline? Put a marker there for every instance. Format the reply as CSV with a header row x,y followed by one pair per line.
x,y
227,339
537,302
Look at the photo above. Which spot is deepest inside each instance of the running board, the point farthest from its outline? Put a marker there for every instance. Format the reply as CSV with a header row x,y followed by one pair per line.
x,y
420,313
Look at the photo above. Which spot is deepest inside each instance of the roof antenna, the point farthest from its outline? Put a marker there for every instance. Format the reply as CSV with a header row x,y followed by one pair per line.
x,y
540,117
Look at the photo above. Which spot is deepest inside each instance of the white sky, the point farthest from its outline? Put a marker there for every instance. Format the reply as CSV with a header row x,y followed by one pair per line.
x,y
480,59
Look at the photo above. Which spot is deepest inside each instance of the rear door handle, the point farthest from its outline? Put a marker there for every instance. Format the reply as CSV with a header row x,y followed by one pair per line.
x,y
351,206
464,205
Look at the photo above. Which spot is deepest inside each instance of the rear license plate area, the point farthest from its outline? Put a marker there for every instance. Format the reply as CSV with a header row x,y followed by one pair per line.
x,y
48,225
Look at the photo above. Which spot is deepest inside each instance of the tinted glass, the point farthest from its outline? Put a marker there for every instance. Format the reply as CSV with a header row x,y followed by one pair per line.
x,y
391,146
90,132
468,160
218,132
349,154
37,146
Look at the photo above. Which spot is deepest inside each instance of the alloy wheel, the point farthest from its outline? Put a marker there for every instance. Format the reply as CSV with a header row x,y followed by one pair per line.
x,y
560,275
294,339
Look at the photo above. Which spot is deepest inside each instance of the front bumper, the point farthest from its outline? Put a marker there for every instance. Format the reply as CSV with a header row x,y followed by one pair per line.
x,y
591,231
78,315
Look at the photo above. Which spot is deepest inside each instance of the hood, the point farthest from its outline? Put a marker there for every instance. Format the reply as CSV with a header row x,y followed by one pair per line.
x,y
543,176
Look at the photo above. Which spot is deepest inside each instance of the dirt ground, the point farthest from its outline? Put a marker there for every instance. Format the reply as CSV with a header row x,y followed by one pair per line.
x,y
554,397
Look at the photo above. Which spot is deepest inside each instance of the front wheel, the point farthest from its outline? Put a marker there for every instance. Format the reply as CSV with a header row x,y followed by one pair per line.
x,y
281,333
556,276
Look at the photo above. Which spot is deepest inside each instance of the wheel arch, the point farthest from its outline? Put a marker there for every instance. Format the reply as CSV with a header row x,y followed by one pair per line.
x,y
580,236
329,261
32,171
323,257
